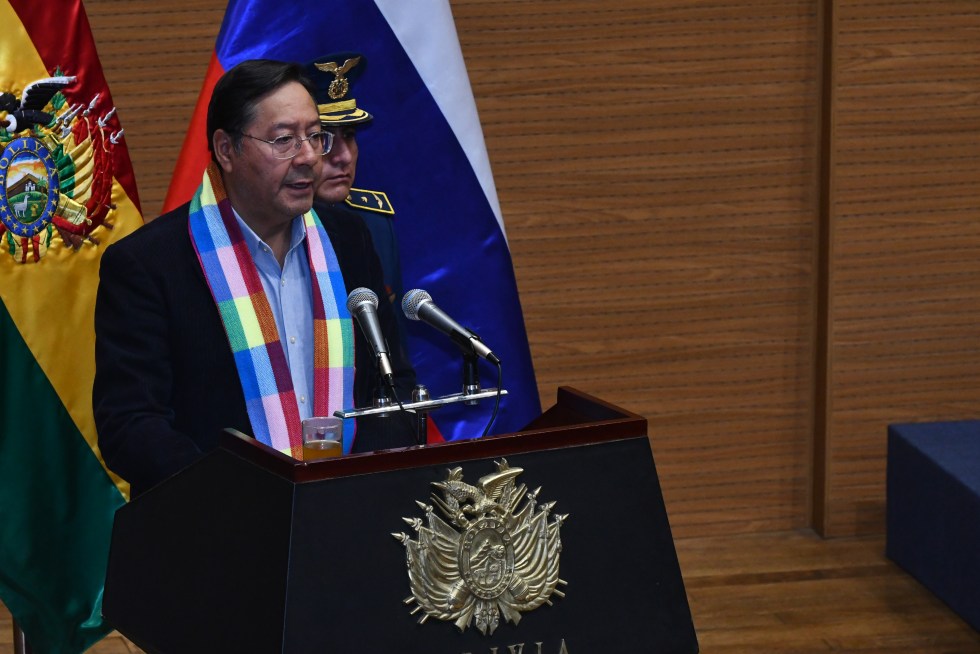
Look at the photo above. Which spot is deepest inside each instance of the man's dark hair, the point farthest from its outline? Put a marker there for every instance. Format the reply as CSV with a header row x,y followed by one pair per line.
x,y
236,94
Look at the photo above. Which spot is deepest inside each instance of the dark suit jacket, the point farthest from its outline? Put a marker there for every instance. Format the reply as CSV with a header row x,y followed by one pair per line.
x,y
166,383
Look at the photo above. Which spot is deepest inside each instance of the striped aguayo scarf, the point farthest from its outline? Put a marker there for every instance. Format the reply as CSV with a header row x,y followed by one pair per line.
x,y
251,328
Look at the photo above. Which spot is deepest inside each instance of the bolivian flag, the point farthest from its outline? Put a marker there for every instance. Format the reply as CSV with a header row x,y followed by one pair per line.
x,y
66,192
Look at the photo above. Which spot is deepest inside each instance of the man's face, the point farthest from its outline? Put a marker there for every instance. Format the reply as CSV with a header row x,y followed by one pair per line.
x,y
269,192
339,165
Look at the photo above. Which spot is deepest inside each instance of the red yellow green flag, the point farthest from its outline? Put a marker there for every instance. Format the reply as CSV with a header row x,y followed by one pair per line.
x,y
66,192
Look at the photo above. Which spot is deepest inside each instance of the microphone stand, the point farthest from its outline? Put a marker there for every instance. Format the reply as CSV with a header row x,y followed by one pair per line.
x,y
471,376
420,394
422,403
382,400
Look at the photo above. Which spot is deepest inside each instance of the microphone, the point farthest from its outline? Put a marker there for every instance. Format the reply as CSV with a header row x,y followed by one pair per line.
x,y
418,305
362,303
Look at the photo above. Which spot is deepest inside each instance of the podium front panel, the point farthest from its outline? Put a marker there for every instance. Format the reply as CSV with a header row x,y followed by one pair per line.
x,y
348,578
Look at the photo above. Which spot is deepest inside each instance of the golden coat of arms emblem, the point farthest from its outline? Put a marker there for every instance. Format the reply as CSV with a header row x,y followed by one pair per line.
x,y
497,556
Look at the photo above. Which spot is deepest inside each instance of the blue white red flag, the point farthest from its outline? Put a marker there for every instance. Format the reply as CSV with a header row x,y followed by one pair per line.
x,y
425,150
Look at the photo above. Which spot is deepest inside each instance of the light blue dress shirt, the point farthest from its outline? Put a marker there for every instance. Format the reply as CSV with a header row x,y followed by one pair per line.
x,y
290,294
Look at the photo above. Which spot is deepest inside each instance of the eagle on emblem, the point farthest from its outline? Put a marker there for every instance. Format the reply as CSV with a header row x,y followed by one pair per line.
x,y
339,86
493,558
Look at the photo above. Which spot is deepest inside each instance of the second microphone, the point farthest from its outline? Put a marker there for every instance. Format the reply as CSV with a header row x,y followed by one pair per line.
x,y
362,303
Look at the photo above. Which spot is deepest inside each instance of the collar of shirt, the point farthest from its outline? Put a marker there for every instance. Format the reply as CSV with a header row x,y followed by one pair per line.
x,y
257,247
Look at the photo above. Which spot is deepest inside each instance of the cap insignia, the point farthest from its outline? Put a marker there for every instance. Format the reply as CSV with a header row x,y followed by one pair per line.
x,y
339,86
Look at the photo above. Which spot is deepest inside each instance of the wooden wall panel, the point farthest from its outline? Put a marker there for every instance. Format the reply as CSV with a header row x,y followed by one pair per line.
x,y
905,294
655,165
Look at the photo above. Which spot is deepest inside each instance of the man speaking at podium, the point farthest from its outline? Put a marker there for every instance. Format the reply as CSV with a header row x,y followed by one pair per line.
x,y
230,311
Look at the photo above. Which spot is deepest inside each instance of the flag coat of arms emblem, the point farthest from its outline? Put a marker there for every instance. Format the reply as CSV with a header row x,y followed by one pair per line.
x,y
496,557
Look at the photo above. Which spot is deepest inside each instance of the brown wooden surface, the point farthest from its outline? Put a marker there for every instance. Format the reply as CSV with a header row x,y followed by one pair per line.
x,y
783,593
905,228
654,162
658,165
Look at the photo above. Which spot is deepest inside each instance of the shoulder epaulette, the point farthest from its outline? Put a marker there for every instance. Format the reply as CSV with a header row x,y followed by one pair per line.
x,y
376,201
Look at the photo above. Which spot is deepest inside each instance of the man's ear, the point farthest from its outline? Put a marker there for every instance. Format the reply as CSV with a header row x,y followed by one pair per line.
x,y
224,149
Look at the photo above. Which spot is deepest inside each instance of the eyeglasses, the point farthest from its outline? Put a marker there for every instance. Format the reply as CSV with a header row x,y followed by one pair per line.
x,y
288,146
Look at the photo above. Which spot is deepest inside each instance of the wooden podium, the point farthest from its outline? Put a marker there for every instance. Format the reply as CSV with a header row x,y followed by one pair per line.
x,y
251,551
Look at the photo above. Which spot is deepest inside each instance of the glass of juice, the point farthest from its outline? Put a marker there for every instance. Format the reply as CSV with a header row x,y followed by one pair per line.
x,y
323,438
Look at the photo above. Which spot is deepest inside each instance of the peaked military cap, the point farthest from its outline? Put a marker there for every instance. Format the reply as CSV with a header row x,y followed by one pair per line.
x,y
333,76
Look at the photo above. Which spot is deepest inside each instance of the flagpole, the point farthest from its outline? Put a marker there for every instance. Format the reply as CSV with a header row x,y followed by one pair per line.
x,y
20,640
